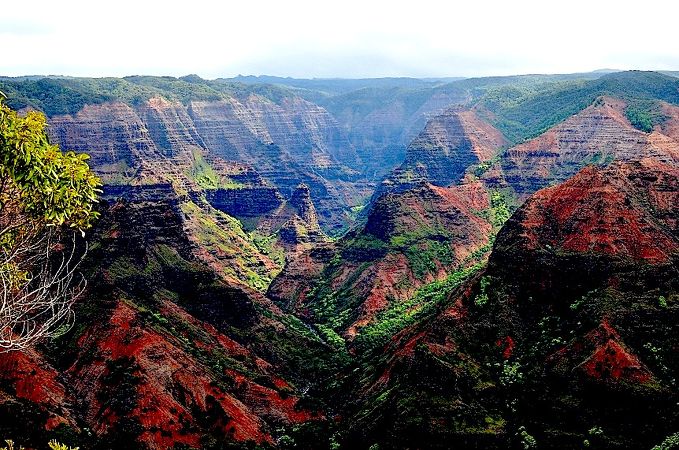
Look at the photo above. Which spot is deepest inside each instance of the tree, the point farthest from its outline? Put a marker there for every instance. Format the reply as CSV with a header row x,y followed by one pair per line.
x,y
47,200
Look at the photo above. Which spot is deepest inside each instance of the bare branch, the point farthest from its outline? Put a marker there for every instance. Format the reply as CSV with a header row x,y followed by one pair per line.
x,y
41,305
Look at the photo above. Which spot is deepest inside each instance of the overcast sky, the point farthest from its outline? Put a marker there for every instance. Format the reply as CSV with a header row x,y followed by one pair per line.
x,y
344,38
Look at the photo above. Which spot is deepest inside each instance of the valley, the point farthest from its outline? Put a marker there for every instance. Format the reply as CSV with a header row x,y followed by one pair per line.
x,y
477,263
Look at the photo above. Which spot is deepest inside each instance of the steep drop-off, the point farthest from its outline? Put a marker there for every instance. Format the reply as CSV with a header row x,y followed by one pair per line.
x,y
410,238
288,142
442,153
166,351
597,135
566,339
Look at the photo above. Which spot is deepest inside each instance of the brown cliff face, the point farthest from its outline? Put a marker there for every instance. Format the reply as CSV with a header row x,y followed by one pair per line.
x,y
597,135
288,142
170,127
410,238
573,322
166,352
670,126
301,202
304,132
112,134
292,285
449,144
28,380
295,224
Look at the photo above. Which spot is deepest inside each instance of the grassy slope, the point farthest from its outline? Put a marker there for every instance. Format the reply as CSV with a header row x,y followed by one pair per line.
x,y
523,112
56,96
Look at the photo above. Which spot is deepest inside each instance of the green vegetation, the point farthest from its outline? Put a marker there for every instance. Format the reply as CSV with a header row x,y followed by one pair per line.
x,y
46,185
526,440
44,193
400,315
669,443
206,177
523,112
202,173
423,257
57,95
365,243
228,241
639,119
267,246
482,298
511,373
644,115
499,208
53,445
331,337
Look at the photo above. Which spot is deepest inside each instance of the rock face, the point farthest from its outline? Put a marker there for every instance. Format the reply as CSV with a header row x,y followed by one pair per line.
x,y
410,238
289,142
444,150
291,287
114,136
166,353
626,213
568,328
381,122
597,135
301,202
589,265
28,382
245,202
298,128
296,223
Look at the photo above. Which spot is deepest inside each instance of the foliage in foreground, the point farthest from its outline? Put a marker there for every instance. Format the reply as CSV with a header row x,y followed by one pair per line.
x,y
53,445
44,192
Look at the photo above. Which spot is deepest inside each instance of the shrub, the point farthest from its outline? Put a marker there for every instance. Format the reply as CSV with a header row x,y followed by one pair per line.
x,y
53,445
671,442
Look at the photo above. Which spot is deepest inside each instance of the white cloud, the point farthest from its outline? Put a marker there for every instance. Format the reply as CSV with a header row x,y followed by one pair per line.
x,y
350,38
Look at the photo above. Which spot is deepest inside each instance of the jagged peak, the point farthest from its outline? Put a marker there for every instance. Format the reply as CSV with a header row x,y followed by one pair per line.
x,y
301,201
302,190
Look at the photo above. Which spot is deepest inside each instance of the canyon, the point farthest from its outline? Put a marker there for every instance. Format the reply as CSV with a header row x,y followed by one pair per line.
x,y
365,264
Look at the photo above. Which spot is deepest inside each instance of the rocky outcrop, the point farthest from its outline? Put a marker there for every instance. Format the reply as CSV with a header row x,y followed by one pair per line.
x,y
598,135
620,216
410,238
565,328
602,356
291,287
295,223
289,142
449,144
166,352
304,207
32,388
